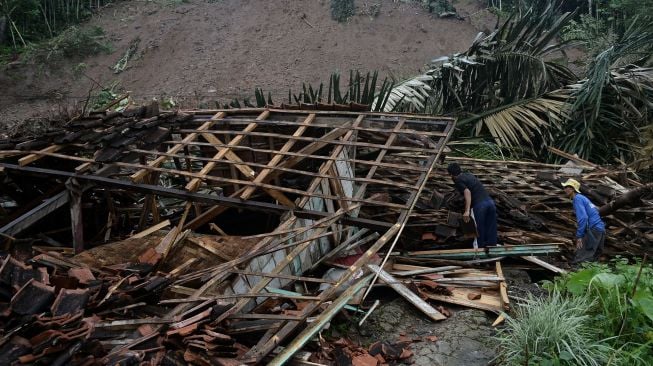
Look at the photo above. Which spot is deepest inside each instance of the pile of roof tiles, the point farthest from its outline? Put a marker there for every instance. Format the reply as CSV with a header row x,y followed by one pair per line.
x,y
54,311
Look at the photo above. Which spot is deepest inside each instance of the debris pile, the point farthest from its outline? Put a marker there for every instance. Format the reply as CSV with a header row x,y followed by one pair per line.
x,y
302,205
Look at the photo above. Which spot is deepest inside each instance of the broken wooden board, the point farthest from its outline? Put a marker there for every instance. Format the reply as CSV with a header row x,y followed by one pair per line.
x,y
409,295
489,300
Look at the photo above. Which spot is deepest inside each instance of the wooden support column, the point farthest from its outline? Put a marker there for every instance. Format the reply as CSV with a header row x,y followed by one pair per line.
x,y
76,220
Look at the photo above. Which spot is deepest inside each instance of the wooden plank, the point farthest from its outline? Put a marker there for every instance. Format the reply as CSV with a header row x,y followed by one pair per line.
x,y
425,271
84,167
279,170
187,291
151,230
370,145
543,264
319,323
488,302
139,175
407,294
503,288
264,316
263,174
76,219
28,159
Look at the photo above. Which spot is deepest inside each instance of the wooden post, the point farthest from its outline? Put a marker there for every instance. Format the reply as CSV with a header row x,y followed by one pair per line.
x,y
76,222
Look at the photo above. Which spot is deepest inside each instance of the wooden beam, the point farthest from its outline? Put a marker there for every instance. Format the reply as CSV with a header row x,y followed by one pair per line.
x,y
151,230
76,219
319,323
139,175
543,264
459,296
263,174
28,159
503,288
407,294
201,197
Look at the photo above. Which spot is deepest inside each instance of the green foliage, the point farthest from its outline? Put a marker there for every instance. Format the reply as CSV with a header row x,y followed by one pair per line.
x,y
552,331
121,65
342,10
362,90
104,97
593,33
499,84
481,149
625,314
73,42
508,85
441,7
36,20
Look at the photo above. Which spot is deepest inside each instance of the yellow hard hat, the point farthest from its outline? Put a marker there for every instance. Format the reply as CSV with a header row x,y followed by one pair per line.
x,y
573,183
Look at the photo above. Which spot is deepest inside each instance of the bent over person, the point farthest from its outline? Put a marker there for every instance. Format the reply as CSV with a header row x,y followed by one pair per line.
x,y
478,201
590,234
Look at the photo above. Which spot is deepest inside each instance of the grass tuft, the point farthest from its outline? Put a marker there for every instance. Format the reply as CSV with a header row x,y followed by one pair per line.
x,y
552,331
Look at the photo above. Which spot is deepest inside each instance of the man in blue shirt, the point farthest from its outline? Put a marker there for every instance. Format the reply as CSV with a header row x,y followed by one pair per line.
x,y
478,200
590,234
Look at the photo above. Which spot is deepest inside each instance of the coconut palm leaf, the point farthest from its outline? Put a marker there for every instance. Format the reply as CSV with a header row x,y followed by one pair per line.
x,y
525,121
497,69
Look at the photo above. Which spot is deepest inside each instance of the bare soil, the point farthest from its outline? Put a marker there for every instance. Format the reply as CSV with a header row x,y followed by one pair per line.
x,y
202,51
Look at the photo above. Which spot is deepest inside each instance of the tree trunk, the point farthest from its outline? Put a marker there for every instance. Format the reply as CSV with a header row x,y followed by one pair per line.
x,y
631,198
3,29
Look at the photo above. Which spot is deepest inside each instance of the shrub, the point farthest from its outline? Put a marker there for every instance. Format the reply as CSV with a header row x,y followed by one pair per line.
x,y
73,42
552,331
624,313
341,10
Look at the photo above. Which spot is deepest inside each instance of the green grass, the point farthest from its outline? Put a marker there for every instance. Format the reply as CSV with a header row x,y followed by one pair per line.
x,y
552,331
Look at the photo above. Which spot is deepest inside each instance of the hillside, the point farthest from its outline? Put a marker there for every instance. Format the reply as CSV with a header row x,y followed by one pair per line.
x,y
217,50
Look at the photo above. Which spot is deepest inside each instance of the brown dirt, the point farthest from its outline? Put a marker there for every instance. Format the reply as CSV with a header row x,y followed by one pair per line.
x,y
201,51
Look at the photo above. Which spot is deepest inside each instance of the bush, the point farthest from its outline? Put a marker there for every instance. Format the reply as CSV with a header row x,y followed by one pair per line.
x,y
625,314
341,10
552,331
73,42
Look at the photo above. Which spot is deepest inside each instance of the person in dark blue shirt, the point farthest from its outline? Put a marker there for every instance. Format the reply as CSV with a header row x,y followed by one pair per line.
x,y
590,234
478,200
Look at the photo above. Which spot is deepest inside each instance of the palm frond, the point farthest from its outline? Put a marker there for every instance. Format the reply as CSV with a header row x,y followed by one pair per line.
x,y
526,121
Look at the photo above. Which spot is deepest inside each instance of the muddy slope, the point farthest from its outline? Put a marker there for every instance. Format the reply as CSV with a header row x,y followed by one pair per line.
x,y
203,50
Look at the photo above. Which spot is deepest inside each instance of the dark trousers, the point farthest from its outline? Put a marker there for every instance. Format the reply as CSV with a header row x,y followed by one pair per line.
x,y
592,246
485,214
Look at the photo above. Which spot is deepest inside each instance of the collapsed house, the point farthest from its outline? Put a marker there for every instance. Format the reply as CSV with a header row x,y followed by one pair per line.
x,y
292,194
